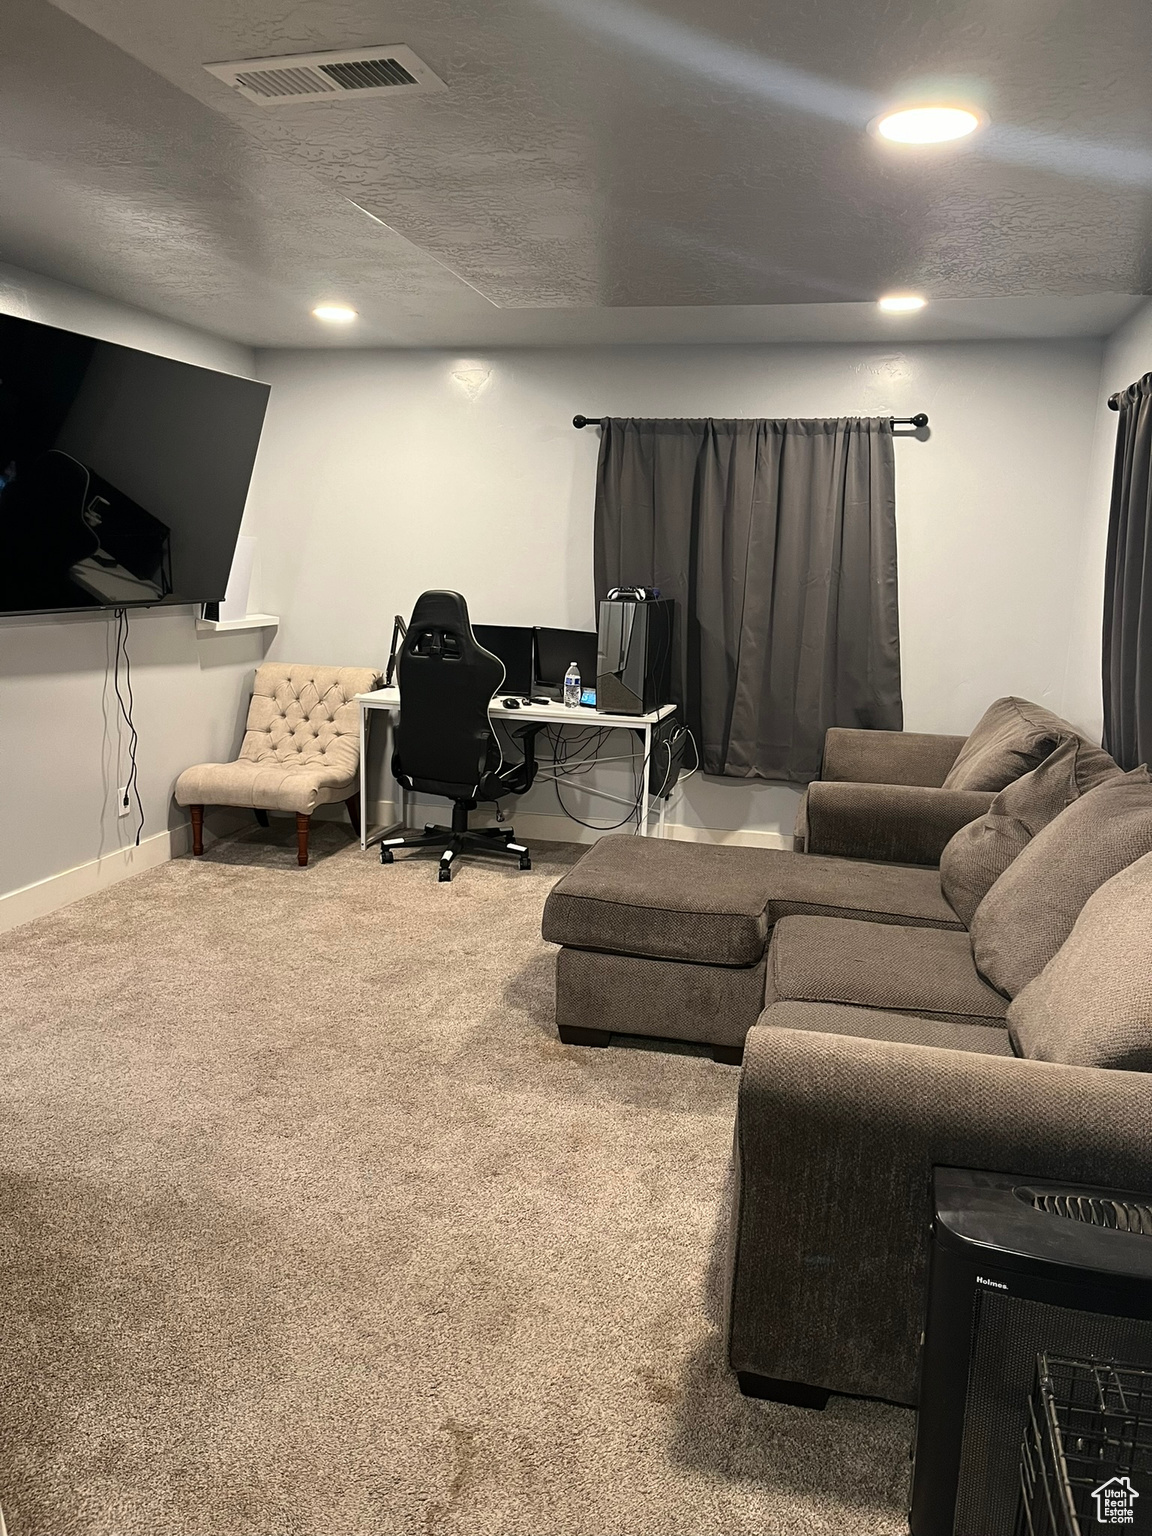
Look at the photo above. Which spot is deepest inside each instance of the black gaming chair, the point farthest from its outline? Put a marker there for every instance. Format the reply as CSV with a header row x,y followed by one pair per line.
x,y
445,741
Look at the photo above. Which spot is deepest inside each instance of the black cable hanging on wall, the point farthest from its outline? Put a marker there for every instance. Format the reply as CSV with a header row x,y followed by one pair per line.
x,y
132,787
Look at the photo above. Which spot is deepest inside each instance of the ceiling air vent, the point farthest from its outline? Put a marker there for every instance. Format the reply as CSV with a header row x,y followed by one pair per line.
x,y
385,70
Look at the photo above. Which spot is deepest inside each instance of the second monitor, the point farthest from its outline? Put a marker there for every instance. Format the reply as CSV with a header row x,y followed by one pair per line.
x,y
556,650
512,643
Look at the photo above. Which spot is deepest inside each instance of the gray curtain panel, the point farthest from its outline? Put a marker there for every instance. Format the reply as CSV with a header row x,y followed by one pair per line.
x,y
777,540
1128,584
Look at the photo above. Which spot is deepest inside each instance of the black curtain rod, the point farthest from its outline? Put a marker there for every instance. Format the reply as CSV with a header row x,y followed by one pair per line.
x,y
1127,396
919,420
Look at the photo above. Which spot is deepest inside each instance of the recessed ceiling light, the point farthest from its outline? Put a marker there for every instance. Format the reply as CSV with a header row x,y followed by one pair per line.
x,y
901,303
336,314
927,125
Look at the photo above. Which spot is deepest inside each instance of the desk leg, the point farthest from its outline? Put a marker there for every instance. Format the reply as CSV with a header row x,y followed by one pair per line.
x,y
363,777
646,800
370,839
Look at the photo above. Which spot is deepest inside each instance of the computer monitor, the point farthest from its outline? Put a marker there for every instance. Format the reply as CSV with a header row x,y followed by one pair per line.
x,y
556,650
513,644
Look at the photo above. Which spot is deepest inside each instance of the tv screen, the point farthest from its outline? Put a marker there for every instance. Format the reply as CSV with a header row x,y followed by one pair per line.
x,y
123,475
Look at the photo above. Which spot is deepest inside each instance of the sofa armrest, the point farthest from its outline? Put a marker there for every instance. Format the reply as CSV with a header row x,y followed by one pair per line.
x,y
891,823
889,757
836,1139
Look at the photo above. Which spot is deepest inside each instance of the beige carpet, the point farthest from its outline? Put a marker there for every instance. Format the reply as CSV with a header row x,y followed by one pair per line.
x,y
311,1227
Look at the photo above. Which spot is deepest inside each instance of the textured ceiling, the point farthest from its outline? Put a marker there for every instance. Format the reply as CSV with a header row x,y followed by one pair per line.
x,y
597,169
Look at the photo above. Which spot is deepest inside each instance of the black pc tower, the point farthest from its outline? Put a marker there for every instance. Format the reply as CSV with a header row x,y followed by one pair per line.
x,y
1035,1417
634,655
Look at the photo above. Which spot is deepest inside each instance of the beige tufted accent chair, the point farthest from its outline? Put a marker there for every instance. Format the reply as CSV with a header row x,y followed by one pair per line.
x,y
301,749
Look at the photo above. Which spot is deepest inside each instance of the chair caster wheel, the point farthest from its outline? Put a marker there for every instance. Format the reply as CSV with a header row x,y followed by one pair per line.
x,y
429,826
525,861
445,872
386,856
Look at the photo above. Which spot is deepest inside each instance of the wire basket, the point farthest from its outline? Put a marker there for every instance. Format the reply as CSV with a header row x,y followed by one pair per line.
x,y
1086,1461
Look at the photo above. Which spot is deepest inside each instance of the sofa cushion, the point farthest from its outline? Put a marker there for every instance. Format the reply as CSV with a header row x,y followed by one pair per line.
x,y
1030,911
811,885
899,1028
672,900
914,970
696,901
270,786
976,857
1091,1005
1014,736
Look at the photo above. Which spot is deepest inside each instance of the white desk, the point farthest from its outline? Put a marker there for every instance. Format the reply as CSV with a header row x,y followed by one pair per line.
x,y
387,701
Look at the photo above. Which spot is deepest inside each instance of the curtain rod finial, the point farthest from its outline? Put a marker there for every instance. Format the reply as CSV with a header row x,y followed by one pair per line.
x,y
920,420
579,421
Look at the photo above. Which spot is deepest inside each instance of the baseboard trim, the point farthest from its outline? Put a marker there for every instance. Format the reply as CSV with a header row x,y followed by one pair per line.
x,y
56,891
562,829
739,837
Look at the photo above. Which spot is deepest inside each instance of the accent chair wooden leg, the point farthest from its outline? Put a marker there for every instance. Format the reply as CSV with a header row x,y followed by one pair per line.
x,y
197,814
302,824
261,816
353,804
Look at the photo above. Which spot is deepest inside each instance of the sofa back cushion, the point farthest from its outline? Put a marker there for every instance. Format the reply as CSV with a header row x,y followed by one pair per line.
x,y
1031,910
979,853
1091,1005
1014,736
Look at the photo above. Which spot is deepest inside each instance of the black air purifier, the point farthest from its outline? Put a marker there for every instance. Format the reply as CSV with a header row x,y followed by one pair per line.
x,y
1034,1415
634,655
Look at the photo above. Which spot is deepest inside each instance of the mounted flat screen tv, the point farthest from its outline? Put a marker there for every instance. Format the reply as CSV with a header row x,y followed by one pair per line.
x,y
123,475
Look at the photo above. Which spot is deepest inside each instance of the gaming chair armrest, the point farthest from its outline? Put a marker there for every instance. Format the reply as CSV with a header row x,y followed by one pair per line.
x,y
524,772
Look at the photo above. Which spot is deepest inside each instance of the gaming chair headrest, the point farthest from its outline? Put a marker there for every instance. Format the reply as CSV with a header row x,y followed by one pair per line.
x,y
440,631
440,610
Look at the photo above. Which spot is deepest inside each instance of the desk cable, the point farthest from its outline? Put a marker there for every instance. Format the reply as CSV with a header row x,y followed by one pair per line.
x,y
575,753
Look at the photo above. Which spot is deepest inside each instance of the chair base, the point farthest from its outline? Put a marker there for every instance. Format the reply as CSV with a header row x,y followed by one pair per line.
x,y
772,1390
459,839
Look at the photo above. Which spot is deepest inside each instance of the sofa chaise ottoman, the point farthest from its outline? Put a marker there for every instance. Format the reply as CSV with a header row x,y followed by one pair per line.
x,y
670,939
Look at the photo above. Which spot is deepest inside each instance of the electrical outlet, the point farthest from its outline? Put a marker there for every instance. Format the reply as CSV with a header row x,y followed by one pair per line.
x,y
123,804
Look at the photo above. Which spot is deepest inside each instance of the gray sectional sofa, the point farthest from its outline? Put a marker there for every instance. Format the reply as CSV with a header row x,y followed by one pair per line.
x,y
988,1004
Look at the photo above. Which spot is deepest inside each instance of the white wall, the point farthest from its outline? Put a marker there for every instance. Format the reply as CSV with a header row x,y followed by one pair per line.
x,y
383,473
1127,357
62,751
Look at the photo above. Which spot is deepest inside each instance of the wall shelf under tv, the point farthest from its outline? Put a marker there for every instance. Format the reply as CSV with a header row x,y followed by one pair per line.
x,y
226,626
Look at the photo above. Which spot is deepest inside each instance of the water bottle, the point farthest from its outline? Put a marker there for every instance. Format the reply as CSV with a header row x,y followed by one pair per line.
x,y
572,686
